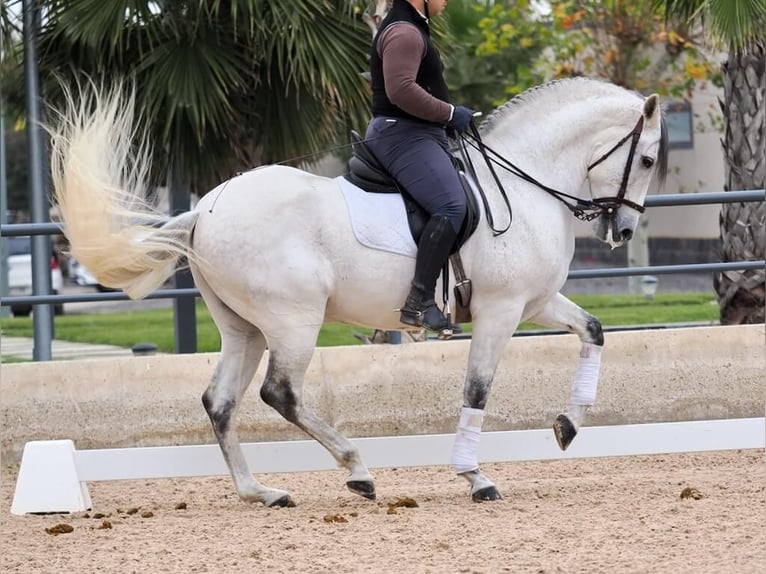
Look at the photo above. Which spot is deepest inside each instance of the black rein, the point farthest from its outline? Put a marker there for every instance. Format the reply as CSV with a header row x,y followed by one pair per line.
x,y
583,209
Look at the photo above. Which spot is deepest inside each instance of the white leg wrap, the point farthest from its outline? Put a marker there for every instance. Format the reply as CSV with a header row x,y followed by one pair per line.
x,y
586,380
465,451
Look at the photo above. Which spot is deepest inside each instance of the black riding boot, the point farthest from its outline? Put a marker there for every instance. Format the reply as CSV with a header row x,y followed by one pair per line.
x,y
420,310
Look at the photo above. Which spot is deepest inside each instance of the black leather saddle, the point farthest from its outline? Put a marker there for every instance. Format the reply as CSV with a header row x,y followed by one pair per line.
x,y
366,172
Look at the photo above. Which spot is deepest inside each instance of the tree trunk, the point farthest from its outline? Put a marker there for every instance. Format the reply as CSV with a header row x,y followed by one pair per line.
x,y
743,225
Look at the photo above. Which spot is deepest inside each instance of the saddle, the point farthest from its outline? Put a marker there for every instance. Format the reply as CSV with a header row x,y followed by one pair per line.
x,y
366,172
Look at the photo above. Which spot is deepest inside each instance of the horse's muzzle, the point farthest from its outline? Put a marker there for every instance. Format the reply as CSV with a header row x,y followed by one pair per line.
x,y
616,229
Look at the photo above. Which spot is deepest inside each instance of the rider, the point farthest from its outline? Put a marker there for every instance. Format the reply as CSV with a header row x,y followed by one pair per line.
x,y
407,134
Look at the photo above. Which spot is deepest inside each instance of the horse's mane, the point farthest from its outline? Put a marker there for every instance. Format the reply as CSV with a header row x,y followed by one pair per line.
x,y
572,86
551,88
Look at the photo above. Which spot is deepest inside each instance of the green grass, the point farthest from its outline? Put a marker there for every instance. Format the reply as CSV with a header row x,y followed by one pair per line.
x,y
125,329
11,359
622,310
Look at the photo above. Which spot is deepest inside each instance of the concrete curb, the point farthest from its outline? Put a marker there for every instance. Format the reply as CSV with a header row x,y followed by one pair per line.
x,y
380,390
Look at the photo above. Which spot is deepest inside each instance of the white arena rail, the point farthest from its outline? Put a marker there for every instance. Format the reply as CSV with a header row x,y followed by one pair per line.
x,y
53,475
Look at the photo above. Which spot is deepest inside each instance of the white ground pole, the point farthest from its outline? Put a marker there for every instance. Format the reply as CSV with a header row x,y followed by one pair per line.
x,y
53,475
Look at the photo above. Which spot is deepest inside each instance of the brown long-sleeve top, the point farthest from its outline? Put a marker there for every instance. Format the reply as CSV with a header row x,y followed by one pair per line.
x,y
401,47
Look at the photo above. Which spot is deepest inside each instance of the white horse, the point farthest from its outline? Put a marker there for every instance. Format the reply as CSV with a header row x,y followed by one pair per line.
x,y
274,255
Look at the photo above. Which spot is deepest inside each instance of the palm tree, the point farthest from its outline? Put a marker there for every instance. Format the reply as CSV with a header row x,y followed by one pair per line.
x,y
8,27
740,27
221,85
10,49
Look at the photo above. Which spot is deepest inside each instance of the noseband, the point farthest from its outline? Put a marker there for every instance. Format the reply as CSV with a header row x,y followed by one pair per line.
x,y
610,204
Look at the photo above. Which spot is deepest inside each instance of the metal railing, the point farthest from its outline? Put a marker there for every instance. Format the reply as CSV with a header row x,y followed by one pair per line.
x,y
665,200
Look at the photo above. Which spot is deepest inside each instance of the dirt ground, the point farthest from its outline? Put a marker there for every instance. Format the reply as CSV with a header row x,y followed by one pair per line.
x,y
615,515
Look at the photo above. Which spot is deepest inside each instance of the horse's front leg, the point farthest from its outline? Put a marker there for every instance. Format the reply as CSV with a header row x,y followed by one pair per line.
x,y
561,313
492,329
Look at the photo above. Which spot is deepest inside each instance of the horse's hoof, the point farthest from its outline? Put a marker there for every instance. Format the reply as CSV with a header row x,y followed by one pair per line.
x,y
564,430
285,501
274,498
365,488
485,494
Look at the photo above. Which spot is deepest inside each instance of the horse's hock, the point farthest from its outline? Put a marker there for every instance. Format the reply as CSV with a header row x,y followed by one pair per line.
x,y
384,390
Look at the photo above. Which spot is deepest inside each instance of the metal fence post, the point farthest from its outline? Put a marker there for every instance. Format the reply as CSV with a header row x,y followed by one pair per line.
x,y
4,311
38,198
184,309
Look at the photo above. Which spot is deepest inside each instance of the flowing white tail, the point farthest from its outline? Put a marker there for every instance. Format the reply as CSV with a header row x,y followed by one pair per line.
x,y
99,186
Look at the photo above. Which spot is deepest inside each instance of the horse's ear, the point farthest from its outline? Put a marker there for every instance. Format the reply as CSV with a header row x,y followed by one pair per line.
x,y
652,110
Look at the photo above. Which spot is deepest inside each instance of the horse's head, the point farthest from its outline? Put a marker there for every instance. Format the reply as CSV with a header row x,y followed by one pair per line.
x,y
621,172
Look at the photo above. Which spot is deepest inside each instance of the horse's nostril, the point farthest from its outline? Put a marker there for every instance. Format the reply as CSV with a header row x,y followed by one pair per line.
x,y
626,234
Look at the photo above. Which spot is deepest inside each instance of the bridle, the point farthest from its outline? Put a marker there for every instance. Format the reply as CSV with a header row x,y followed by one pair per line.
x,y
613,203
583,209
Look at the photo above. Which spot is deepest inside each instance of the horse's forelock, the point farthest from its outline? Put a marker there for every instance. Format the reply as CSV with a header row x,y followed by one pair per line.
x,y
662,154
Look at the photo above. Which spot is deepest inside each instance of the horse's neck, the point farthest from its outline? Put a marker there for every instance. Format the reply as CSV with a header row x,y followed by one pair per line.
x,y
549,151
552,146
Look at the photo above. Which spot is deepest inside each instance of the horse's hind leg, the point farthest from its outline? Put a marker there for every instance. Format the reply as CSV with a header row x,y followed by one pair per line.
x,y
289,355
561,313
242,346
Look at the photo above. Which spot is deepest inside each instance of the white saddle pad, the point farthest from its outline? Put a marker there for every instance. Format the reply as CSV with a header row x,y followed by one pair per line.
x,y
379,220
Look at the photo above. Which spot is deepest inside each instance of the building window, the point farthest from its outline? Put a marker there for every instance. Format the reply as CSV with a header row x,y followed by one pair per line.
x,y
678,118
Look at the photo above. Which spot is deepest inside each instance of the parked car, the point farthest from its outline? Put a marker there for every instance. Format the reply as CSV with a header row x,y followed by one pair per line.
x,y
20,274
80,275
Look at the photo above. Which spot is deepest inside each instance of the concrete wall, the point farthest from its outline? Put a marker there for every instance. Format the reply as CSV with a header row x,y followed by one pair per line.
x,y
376,390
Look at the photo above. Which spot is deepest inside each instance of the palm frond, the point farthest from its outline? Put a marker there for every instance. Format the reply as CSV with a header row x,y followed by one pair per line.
x,y
220,84
731,23
10,26
737,22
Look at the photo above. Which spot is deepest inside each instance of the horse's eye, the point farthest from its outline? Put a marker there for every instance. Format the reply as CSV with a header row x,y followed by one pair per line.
x,y
647,161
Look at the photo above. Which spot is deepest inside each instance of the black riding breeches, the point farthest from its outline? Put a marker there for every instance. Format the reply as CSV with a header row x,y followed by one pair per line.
x,y
416,155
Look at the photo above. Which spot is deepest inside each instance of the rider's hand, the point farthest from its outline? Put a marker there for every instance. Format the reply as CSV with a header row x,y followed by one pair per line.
x,y
461,119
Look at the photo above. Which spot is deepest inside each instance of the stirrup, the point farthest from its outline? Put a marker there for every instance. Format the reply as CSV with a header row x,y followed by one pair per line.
x,y
447,332
411,317
417,318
